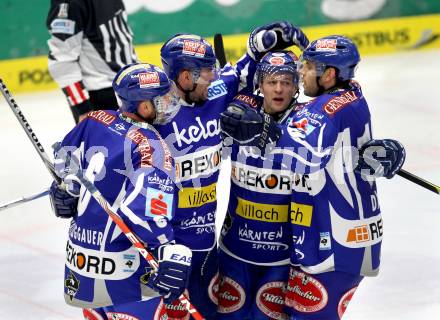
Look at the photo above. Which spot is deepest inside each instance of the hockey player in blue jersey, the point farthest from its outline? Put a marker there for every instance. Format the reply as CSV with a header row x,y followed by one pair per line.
x,y
255,241
131,165
336,223
196,145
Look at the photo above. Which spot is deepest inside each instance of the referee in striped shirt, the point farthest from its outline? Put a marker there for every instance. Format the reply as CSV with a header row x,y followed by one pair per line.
x,y
90,41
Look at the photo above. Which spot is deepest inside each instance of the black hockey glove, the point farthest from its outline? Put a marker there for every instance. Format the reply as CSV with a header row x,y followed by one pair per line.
x,y
277,35
381,158
64,199
247,127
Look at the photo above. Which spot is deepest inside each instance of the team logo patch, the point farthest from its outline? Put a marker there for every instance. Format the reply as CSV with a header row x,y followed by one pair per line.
x,y
158,203
120,316
345,300
326,45
277,61
194,48
305,293
231,296
270,300
149,79
213,288
72,285
325,242
64,26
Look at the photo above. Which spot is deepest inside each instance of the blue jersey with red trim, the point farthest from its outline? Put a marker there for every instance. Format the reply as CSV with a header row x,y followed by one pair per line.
x,y
132,167
194,137
336,221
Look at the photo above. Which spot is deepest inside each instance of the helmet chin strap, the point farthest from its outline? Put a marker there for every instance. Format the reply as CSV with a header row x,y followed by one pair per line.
x,y
187,98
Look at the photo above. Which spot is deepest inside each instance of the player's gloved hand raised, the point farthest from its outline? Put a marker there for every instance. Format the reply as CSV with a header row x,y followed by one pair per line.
x,y
64,198
277,35
172,276
381,158
245,126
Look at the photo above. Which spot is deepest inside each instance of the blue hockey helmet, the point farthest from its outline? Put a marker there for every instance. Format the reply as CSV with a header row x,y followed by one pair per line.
x,y
138,82
333,51
277,62
186,52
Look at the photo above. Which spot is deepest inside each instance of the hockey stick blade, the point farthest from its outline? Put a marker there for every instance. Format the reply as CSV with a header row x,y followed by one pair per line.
x,y
417,180
219,49
28,129
130,235
23,200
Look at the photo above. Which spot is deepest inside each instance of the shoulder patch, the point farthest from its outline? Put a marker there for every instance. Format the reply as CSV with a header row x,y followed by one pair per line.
x,y
217,89
65,26
337,103
102,116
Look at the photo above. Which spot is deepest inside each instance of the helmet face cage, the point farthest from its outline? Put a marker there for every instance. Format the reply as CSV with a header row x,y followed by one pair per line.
x,y
334,51
186,52
166,106
138,82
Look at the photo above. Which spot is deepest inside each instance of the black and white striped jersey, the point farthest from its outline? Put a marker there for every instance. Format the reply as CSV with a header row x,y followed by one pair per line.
x,y
90,41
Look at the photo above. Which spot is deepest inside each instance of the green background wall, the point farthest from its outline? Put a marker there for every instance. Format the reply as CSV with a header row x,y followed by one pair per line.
x,y
23,30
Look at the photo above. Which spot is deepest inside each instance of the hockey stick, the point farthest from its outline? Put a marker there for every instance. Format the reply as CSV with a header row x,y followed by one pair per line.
x,y
27,128
219,49
132,237
23,200
417,180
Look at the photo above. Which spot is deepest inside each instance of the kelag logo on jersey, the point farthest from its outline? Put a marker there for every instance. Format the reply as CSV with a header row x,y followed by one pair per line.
x,y
217,89
158,203
194,133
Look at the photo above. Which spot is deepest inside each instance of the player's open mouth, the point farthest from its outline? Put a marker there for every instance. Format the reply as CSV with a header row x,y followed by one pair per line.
x,y
278,100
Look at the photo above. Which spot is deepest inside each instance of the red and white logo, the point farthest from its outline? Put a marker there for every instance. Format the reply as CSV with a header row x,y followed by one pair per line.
x,y
270,300
231,295
326,45
194,48
158,206
213,288
278,61
149,79
345,300
161,312
305,293
176,311
120,316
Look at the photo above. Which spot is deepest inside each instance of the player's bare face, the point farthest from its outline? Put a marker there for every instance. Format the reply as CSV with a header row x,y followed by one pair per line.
x,y
278,91
309,78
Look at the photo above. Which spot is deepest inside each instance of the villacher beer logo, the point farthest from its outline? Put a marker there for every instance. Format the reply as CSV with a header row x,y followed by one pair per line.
x,y
177,311
231,295
270,300
305,293
345,300
213,288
